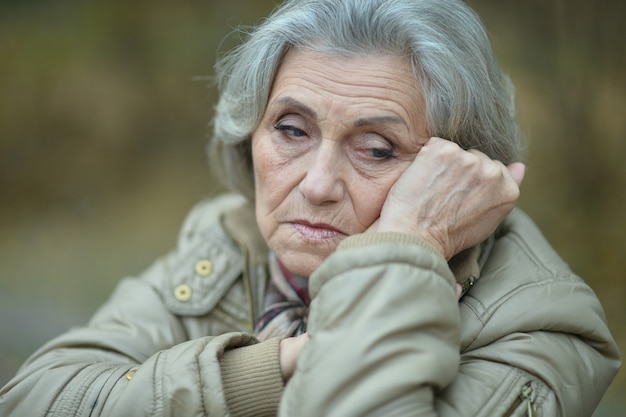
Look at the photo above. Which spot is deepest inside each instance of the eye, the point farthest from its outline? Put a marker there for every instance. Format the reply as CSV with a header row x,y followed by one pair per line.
x,y
381,153
290,130
376,148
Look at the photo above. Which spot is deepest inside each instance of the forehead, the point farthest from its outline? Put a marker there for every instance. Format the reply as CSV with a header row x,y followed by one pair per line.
x,y
385,82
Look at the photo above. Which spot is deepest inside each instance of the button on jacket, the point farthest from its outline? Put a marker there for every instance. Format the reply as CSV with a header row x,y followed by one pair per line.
x,y
387,337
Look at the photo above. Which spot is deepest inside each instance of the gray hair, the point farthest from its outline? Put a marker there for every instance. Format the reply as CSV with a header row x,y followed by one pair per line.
x,y
468,99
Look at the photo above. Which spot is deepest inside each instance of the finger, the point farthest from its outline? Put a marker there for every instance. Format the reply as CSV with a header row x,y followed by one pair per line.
x,y
478,153
517,170
435,141
374,226
459,292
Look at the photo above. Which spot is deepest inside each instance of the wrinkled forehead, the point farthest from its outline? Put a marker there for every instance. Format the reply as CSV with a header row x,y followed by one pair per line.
x,y
330,86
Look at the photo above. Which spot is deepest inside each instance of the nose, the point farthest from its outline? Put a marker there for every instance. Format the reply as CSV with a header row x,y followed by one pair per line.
x,y
323,182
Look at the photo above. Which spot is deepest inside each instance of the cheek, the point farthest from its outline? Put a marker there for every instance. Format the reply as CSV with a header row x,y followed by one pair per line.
x,y
273,177
368,201
263,164
369,195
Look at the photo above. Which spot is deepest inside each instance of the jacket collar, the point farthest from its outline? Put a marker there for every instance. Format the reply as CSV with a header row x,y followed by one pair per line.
x,y
241,225
467,264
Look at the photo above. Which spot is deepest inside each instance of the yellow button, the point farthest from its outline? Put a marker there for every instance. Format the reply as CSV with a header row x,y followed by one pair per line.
x,y
204,268
182,292
130,374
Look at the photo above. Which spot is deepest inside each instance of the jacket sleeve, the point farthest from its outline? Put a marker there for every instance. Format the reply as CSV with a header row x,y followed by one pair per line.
x,y
383,329
385,336
137,358
534,336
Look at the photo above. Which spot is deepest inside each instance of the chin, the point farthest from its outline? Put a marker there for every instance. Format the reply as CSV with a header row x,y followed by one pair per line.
x,y
302,264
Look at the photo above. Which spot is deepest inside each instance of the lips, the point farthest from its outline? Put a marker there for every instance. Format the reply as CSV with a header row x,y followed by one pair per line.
x,y
317,231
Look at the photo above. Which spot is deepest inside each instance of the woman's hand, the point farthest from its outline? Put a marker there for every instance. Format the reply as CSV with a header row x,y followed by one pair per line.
x,y
452,198
289,352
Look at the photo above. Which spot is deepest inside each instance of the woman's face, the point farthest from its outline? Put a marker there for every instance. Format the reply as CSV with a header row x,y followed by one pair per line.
x,y
336,135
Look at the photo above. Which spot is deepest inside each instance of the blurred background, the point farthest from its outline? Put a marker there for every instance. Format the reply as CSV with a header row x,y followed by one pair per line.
x,y
104,107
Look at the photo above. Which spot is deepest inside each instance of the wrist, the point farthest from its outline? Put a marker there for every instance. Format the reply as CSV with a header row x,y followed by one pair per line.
x,y
289,351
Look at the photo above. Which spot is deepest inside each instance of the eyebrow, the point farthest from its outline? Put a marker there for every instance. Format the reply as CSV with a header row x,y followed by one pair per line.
x,y
367,121
378,120
292,102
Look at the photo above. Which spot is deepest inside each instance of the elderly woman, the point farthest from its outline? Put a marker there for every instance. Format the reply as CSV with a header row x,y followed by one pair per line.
x,y
372,262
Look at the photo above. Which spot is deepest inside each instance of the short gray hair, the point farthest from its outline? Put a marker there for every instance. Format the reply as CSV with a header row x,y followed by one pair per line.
x,y
467,97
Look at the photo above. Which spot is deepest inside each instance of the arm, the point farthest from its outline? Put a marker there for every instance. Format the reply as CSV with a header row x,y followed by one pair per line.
x,y
133,359
382,334
383,339
539,323
385,319
379,312
136,357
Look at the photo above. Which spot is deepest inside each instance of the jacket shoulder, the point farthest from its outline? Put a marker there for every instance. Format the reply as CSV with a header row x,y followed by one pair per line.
x,y
194,278
206,214
526,286
519,261
531,312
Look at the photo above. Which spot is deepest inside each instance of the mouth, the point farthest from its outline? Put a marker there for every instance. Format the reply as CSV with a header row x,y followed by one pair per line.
x,y
317,231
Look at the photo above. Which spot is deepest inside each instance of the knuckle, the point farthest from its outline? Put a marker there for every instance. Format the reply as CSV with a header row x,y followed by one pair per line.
x,y
493,170
515,191
448,147
512,191
468,160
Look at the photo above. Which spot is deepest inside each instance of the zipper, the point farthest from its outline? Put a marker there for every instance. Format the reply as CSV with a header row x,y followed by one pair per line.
x,y
525,395
467,284
248,286
246,277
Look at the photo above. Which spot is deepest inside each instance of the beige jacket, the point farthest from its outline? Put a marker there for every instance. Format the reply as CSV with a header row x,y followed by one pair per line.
x,y
387,337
